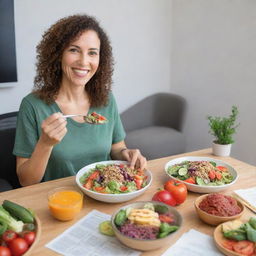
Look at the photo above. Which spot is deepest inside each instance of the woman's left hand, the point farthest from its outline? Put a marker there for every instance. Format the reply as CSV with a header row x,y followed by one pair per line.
x,y
135,158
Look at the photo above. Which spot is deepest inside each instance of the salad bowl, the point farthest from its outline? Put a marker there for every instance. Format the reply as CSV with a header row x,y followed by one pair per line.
x,y
178,169
111,195
143,244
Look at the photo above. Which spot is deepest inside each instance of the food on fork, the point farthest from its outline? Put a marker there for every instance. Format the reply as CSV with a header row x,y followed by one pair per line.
x,y
96,118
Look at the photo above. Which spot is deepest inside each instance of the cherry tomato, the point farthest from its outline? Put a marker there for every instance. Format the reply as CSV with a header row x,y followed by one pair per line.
x,y
165,218
164,196
4,251
9,235
29,236
190,180
244,247
222,168
177,189
18,246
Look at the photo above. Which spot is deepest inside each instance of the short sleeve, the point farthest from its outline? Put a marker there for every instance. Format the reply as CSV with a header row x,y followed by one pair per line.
x,y
26,131
118,131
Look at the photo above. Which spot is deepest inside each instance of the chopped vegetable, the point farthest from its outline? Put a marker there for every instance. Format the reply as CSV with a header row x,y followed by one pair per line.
x,y
12,224
106,228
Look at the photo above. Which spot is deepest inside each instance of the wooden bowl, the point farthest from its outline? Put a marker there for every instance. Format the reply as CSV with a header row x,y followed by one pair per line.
x,y
219,239
213,219
38,234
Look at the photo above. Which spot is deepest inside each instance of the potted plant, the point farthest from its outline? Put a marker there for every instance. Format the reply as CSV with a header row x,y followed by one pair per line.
x,y
223,129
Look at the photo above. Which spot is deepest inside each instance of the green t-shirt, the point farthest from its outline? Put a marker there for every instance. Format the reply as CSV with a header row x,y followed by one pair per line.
x,y
83,143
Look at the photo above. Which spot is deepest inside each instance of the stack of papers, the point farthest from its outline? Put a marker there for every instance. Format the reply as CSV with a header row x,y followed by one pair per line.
x,y
248,197
83,238
193,243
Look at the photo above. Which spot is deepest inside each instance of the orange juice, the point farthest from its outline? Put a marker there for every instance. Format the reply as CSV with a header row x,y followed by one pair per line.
x,y
65,204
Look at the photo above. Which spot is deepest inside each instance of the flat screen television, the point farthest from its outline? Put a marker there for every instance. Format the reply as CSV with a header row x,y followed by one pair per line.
x,y
8,67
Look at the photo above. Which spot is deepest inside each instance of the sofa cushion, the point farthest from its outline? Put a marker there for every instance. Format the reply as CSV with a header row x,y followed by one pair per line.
x,y
156,141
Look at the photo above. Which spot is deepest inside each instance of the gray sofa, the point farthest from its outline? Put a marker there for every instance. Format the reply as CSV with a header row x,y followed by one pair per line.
x,y
155,124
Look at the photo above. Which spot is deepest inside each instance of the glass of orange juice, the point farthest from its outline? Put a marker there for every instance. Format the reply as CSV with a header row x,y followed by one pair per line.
x,y
65,202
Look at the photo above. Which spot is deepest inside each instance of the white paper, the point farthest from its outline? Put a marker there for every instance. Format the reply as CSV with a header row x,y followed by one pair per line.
x,y
248,195
193,243
84,238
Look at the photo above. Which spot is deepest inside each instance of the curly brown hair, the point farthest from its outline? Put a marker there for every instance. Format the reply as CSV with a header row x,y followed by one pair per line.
x,y
49,53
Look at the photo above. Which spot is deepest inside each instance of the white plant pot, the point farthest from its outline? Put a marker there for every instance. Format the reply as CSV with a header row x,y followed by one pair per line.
x,y
221,150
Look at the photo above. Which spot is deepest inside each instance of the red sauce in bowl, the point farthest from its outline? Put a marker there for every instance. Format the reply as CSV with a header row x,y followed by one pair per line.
x,y
220,205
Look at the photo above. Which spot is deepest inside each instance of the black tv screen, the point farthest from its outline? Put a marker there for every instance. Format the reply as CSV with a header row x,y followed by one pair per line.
x,y
8,68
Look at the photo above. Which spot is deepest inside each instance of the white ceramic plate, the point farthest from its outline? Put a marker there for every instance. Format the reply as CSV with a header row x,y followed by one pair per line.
x,y
199,188
111,198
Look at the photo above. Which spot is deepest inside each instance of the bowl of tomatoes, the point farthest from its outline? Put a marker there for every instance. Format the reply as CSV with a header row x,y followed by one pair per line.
x,y
202,174
113,181
20,230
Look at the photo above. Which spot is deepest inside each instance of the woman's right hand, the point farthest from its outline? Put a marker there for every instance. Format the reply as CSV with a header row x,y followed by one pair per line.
x,y
53,129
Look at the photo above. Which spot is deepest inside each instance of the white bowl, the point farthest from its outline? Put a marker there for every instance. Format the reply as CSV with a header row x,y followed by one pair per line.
x,y
111,198
201,188
147,245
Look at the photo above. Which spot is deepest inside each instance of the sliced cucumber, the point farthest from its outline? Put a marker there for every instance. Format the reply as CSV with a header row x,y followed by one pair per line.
x,y
105,228
200,181
183,171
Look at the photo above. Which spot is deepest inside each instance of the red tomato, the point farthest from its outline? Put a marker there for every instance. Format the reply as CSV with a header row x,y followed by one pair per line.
x,y
212,174
9,235
88,184
190,180
229,244
4,251
222,168
164,196
178,190
18,246
94,175
123,188
29,236
218,176
244,247
164,218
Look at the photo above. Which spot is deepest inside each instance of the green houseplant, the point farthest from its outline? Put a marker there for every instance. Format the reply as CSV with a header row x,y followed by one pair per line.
x,y
223,129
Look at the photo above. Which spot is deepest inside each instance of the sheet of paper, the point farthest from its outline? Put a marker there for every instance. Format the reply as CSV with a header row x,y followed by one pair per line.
x,y
193,243
83,238
248,196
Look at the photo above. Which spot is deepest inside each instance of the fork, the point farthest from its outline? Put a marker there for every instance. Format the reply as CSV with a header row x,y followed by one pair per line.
x,y
86,120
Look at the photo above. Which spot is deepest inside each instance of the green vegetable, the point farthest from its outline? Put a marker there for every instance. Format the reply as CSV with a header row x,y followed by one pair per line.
x,y
183,171
213,163
165,229
161,209
106,228
3,227
113,185
200,181
12,224
173,170
18,211
250,232
236,234
120,218
252,222
29,226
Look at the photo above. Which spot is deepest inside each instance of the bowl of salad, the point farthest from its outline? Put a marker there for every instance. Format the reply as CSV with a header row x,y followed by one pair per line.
x,y
113,181
202,174
146,225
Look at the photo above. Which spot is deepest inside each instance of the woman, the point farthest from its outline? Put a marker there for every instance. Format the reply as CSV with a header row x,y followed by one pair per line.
x,y
74,75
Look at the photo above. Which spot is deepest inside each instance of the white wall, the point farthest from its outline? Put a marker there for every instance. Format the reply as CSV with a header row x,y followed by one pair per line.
x,y
140,35
213,67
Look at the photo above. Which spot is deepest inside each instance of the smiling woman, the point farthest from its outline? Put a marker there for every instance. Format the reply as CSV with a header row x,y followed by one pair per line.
x,y
74,76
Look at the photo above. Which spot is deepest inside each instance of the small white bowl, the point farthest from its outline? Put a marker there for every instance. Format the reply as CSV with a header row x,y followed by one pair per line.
x,y
201,188
147,245
111,198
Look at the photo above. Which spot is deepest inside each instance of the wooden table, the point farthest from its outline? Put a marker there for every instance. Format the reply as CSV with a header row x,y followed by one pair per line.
x,y
35,197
